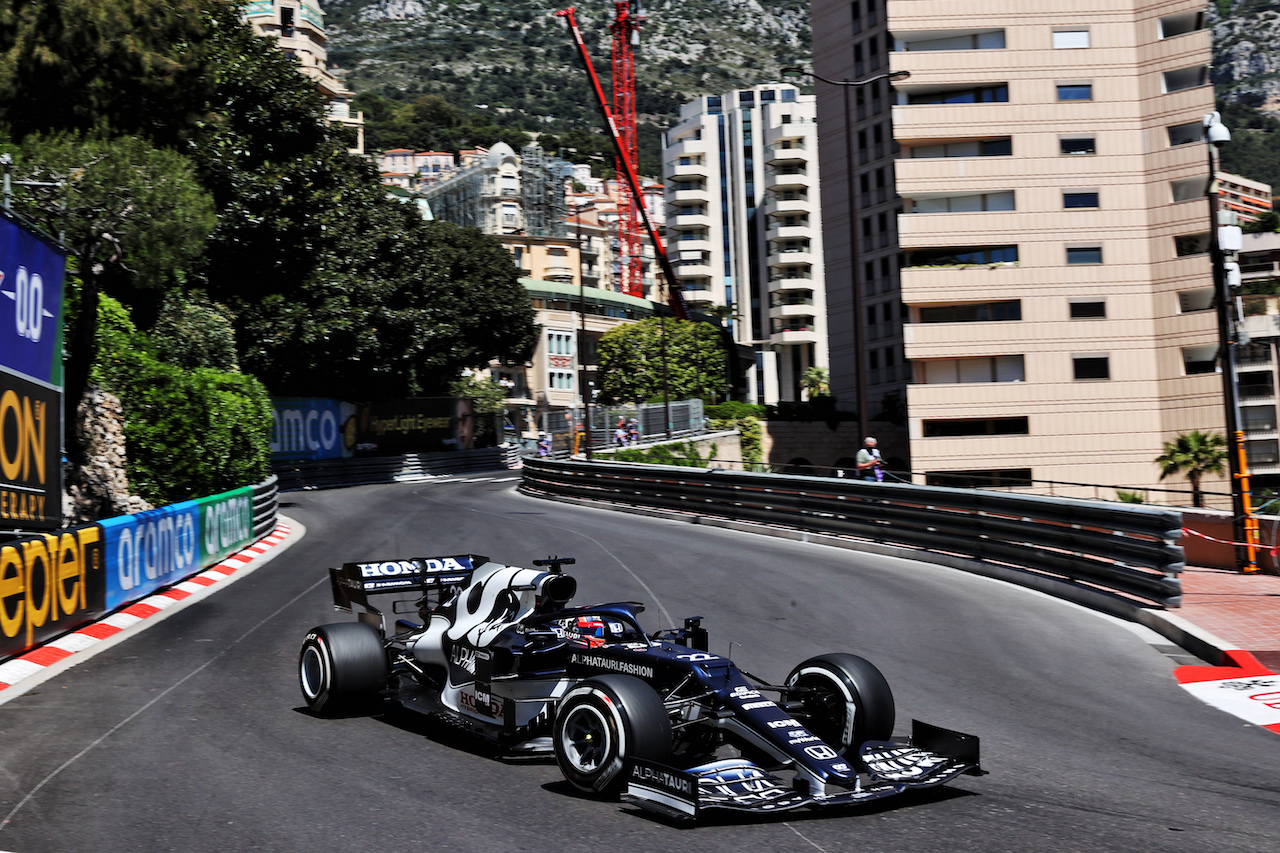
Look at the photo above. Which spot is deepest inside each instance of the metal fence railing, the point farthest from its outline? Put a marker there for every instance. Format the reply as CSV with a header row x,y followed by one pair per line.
x,y
1128,550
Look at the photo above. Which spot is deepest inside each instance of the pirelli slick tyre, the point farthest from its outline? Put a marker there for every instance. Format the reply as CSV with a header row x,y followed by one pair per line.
x,y
342,668
601,723
845,700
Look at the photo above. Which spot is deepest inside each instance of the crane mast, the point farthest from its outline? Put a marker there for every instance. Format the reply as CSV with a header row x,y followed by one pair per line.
x,y
633,216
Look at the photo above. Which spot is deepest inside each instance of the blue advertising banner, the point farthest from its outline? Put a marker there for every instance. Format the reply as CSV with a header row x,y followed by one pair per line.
x,y
31,275
149,550
306,428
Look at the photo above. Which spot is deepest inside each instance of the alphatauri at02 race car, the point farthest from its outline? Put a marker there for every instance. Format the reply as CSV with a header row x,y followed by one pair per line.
x,y
655,718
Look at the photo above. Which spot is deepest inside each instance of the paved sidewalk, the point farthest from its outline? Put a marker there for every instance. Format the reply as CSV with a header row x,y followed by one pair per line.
x,y
1243,610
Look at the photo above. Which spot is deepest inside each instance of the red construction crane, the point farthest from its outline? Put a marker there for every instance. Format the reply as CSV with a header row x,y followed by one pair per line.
x,y
633,214
626,33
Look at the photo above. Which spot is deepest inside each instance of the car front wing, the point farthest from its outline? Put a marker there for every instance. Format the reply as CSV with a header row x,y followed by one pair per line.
x,y
932,756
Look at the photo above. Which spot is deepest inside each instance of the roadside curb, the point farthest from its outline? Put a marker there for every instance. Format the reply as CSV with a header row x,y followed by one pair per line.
x,y
22,673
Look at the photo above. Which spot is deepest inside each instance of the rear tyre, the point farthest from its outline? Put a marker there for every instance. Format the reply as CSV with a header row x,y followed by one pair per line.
x,y
342,668
601,723
846,700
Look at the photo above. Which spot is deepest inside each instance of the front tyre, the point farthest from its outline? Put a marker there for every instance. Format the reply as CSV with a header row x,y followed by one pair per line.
x,y
601,723
342,668
845,700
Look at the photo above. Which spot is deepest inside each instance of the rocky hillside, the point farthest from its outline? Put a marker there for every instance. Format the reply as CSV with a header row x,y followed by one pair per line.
x,y
1246,47
516,59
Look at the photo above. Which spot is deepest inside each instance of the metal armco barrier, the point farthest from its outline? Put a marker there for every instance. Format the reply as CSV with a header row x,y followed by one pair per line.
x,y
266,505
1126,549
361,471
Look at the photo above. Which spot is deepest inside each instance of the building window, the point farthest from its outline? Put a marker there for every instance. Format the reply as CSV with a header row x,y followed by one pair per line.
x,y
1182,134
998,478
1072,199
1001,146
1201,359
1084,255
963,203
1075,91
984,40
1176,25
960,257
1090,367
1068,39
975,426
972,312
1088,309
559,343
1077,145
1187,189
1186,245
1199,299
1185,78
997,93
951,371
561,380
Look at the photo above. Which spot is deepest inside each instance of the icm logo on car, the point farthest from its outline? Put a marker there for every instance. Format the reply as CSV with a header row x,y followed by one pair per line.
x,y
821,753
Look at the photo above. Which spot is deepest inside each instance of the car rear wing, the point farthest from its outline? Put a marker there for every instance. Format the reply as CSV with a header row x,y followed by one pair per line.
x,y
355,582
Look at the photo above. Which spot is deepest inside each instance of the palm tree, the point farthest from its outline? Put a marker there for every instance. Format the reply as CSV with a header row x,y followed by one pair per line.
x,y
816,382
1195,454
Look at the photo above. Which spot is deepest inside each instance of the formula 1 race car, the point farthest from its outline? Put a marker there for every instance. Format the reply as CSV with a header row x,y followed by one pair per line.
x,y
655,718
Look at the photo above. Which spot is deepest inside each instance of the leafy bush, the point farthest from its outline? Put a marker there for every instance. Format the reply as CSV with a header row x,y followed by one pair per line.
x,y
685,455
750,435
189,433
732,409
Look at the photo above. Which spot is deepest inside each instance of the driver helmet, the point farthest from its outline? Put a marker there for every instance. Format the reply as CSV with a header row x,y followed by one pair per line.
x,y
589,629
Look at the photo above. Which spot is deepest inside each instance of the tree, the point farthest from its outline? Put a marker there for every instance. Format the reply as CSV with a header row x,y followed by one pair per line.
x,y
633,360
1194,454
133,215
816,382
135,67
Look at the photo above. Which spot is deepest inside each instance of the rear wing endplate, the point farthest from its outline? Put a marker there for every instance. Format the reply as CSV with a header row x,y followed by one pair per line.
x,y
355,582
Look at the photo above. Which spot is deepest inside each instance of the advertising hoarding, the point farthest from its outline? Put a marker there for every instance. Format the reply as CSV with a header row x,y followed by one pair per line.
x,y
414,425
31,274
30,442
50,584
310,428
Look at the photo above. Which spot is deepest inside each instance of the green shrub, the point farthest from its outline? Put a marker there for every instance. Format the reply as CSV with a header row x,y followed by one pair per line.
x,y
750,435
685,455
188,433
732,409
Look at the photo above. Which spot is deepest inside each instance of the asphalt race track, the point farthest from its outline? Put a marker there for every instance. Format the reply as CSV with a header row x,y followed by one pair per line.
x,y
190,736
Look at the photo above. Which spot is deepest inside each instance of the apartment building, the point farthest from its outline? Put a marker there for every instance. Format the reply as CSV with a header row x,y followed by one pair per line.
x,y
1247,197
298,28
1044,241
744,226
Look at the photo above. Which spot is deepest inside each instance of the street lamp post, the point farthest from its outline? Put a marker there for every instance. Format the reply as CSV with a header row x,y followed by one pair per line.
x,y
1244,525
855,261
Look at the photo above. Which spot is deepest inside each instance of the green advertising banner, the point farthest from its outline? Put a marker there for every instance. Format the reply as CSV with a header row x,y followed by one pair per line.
x,y
226,524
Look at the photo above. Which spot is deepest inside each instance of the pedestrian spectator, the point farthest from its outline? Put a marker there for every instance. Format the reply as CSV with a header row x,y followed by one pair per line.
x,y
544,444
620,434
633,431
870,465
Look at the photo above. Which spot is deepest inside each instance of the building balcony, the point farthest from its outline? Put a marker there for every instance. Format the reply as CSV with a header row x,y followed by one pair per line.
x,y
690,170
789,257
557,273
785,312
698,196
784,232
791,152
797,128
774,205
791,281
789,180
687,148
689,242
697,269
689,220
799,334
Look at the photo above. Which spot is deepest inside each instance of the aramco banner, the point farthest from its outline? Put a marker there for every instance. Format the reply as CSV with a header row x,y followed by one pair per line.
x,y
159,547
308,428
